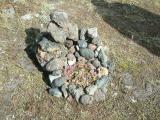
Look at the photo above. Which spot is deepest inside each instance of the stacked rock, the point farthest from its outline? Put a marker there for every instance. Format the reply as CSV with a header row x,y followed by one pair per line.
x,y
74,59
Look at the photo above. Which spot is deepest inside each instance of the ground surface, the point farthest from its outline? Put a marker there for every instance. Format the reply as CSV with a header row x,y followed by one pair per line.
x,y
130,29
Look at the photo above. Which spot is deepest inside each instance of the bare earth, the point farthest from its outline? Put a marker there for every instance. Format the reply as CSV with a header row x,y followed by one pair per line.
x,y
129,28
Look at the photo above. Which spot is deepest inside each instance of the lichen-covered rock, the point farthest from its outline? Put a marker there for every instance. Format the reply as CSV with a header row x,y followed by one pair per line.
x,y
54,64
87,53
55,92
60,18
90,90
86,99
58,34
73,32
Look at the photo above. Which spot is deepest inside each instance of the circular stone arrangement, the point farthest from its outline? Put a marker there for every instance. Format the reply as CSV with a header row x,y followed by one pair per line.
x,y
74,59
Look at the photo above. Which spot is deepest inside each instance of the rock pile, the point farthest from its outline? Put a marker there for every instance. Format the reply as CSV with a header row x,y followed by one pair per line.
x,y
74,59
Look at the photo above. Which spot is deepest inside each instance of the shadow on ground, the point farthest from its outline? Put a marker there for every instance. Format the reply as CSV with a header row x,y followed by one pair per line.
x,y
138,24
33,35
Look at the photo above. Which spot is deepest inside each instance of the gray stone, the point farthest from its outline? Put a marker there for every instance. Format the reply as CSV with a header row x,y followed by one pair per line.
x,y
103,81
71,88
87,53
73,32
126,81
47,45
102,56
54,64
56,72
82,33
58,82
53,77
91,89
96,63
99,95
96,41
77,55
55,92
8,11
86,99
61,18
58,34
64,90
78,93
92,32
82,43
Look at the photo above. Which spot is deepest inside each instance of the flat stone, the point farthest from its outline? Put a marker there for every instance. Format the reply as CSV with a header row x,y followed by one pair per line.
x,y
92,32
55,92
64,90
86,99
87,53
60,18
96,63
82,33
54,64
53,77
90,90
82,43
103,81
73,32
58,34
58,82
99,95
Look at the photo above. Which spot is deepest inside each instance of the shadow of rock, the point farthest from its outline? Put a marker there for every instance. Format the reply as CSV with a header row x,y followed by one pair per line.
x,y
33,36
138,24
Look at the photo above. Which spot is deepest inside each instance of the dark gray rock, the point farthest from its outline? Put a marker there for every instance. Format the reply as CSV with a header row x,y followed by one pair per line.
x,y
96,63
102,56
103,81
58,34
99,95
90,90
87,53
60,18
54,64
82,43
73,32
82,33
58,82
86,99
64,89
68,43
55,92
92,32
